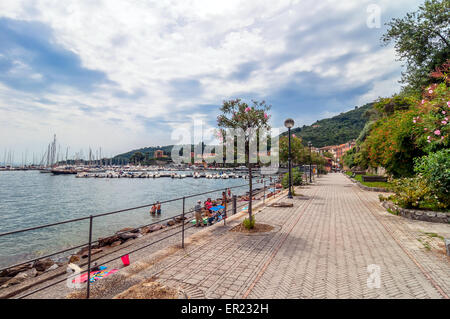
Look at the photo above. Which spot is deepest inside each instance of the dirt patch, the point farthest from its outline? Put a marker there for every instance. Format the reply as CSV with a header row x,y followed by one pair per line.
x,y
281,204
258,228
149,289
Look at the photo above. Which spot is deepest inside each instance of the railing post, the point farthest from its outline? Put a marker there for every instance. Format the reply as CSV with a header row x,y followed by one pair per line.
x,y
182,226
264,191
89,258
234,204
226,207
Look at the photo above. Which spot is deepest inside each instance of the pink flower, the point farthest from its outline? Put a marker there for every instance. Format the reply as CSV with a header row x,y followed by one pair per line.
x,y
429,141
293,135
265,115
428,137
423,101
425,129
247,109
437,132
442,137
448,103
444,122
443,112
414,121
430,91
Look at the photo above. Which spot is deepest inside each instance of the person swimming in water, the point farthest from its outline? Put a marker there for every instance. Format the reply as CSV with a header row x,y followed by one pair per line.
x,y
158,207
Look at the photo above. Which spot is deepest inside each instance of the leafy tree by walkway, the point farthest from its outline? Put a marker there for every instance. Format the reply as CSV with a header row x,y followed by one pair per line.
x,y
422,39
236,114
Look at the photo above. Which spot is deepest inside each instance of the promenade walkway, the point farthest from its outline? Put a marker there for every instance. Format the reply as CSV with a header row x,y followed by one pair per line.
x,y
320,248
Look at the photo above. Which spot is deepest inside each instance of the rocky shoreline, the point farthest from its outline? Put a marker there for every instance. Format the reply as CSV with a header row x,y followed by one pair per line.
x,y
20,274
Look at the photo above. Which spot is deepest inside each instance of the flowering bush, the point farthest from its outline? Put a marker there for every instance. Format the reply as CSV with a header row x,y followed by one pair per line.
x,y
412,193
435,170
410,128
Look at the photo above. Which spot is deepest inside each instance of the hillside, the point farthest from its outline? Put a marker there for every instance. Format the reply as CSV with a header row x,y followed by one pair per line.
x,y
150,150
336,130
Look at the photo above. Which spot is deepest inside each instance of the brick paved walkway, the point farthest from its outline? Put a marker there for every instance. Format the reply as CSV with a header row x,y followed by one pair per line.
x,y
321,248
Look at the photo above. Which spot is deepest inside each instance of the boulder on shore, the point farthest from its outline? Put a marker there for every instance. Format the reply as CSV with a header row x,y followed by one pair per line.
x,y
108,240
11,272
74,259
43,264
126,236
170,223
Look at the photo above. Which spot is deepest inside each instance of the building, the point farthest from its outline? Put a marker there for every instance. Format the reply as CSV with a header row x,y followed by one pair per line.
x,y
159,154
338,151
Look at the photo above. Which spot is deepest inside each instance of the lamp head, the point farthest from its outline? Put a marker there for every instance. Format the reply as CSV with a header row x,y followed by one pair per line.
x,y
289,123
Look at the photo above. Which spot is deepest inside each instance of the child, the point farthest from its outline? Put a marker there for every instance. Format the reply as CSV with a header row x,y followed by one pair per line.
x,y
158,208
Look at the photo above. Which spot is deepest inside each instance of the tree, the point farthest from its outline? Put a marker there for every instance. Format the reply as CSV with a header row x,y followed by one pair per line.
x,y
237,114
298,151
137,157
422,40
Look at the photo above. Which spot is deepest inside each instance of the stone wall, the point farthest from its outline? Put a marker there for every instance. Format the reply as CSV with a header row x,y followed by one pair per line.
x,y
425,215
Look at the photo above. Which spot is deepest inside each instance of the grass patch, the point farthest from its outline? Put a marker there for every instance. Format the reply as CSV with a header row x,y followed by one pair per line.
x,y
425,244
386,185
433,235
392,212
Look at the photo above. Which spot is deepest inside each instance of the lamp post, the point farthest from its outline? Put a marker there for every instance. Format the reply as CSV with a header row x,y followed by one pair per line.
x,y
310,162
289,123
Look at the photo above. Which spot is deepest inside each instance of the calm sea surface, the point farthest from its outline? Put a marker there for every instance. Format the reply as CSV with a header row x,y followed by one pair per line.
x,y
30,198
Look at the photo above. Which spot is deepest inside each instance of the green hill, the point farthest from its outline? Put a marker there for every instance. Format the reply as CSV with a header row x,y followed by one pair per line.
x,y
336,130
125,157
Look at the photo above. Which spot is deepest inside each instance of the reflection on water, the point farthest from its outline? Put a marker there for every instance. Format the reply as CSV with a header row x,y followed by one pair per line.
x,y
29,198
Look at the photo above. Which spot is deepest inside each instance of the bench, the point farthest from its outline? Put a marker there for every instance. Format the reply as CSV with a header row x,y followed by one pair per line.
x,y
367,178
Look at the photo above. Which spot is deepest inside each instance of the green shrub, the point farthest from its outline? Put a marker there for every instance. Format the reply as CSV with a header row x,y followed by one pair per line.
x,y
435,170
296,178
249,224
416,193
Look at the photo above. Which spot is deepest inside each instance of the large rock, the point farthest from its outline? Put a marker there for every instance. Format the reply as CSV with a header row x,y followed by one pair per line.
x,y
11,272
170,223
74,259
126,236
4,279
107,240
52,267
156,227
43,264
20,277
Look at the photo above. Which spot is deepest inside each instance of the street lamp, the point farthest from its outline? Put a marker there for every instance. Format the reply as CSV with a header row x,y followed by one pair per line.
x,y
289,123
310,161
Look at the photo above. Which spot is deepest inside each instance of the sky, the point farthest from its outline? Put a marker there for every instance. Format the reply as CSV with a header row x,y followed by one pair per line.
x,y
122,75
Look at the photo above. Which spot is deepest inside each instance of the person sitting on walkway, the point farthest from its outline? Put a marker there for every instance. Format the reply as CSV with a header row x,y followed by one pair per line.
x,y
153,209
198,214
208,204
158,207
211,217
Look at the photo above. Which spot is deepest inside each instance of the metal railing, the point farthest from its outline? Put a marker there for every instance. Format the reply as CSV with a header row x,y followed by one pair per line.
x,y
234,209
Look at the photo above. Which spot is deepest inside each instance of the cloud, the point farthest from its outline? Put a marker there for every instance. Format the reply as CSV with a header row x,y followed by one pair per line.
x,y
122,74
